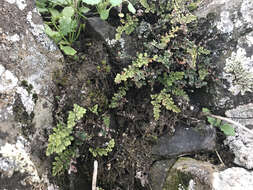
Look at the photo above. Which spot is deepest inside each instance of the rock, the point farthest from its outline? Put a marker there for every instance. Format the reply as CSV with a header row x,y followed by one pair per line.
x,y
185,140
123,49
100,29
28,59
235,70
233,179
158,173
185,173
230,38
241,144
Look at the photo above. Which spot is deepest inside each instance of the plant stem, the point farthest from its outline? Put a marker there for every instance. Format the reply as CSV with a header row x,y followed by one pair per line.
x,y
95,173
232,122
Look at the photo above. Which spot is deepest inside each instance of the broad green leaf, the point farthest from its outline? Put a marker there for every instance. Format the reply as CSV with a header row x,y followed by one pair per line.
x,y
61,2
131,8
68,51
205,110
68,12
115,3
104,14
67,25
55,14
211,120
52,34
92,2
228,130
84,10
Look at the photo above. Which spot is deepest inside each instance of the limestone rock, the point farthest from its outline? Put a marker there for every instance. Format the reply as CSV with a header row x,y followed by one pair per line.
x,y
28,59
242,144
233,179
185,140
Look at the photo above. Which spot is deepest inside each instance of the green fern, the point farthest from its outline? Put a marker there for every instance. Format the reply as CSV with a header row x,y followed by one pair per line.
x,y
102,151
62,161
128,26
61,138
163,98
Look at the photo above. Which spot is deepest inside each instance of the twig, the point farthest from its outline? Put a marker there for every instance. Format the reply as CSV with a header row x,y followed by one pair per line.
x,y
232,122
95,173
219,158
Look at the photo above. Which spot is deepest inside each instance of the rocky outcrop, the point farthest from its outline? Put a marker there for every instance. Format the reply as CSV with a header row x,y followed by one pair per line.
x,y
28,59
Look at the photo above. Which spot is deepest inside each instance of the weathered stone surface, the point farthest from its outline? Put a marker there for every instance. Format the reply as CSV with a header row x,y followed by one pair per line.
x,y
235,87
158,173
233,179
230,33
186,140
242,144
123,49
186,173
28,59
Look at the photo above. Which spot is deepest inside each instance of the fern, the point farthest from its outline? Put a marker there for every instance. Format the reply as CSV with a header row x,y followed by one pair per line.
x,y
102,151
61,138
163,98
128,26
135,71
118,96
62,161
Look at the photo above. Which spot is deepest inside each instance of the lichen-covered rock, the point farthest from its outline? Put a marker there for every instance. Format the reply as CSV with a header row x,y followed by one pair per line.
x,y
159,172
233,179
28,59
188,173
231,25
242,144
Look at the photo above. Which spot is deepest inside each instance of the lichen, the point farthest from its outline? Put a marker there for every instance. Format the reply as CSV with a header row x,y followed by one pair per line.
x,y
239,72
20,3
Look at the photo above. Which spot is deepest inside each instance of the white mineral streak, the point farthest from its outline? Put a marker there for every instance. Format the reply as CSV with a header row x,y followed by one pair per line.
x,y
14,38
20,3
26,99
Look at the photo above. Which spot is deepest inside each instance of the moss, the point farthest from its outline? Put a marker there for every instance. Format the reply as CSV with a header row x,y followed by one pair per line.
x,y
176,179
27,86
20,115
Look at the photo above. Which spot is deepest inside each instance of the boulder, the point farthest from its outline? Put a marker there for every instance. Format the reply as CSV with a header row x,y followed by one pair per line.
x,y
28,59
186,173
233,179
185,140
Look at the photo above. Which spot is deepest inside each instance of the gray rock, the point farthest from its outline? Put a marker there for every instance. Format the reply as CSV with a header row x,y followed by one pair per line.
x,y
28,59
159,172
242,144
186,140
100,29
233,179
123,49
186,173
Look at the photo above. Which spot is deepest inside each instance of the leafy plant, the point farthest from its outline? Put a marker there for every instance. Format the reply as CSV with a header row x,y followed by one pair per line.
x,y
63,25
104,6
60,140
226,128
102,151
170,61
